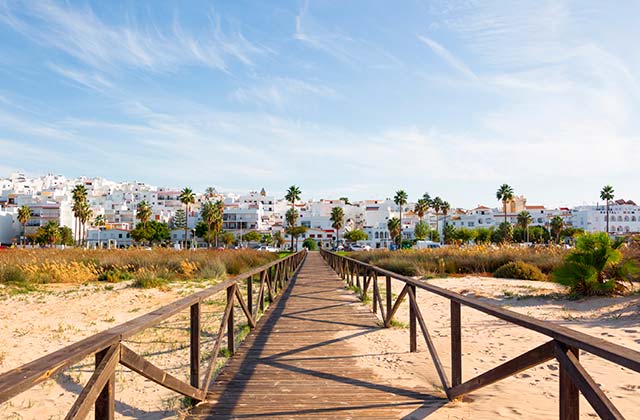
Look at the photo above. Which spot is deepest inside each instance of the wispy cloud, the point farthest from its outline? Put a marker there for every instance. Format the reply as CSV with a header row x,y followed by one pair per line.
x,y
448,57
80,33
280,91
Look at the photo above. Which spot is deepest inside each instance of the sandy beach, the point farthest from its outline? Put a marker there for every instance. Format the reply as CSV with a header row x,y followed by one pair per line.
x,y
38,323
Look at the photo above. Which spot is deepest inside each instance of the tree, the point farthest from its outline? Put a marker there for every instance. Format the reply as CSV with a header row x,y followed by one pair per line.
x,y
310,244
356,235
394,228
49,234
503,234
99,222
211,215
524,220
607,195
483,235
179,221
445,207
292,195
210,192
79,198
143,212
449,234
422,207
66,236
465,235
337,221
24,214
84,215
421,231
400,199
278,239
504,194
227,238
295,232
345,200
436,203
152,232
251,236
557,225
187,197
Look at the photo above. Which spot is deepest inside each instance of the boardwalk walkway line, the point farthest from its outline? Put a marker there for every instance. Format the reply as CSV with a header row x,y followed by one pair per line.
x,y
300,363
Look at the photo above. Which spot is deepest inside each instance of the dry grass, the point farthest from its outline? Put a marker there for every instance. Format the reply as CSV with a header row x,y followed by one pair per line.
x,y
18,266
462,260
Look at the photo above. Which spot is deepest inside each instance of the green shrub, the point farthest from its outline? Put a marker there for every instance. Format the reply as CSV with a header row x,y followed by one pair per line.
x,y
596,266
12,274
148,281
403,267
114,276
310,244
519,270
214,269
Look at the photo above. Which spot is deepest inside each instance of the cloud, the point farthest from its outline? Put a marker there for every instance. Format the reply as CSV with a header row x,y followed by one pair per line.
x,y
280,91
448,57
81,34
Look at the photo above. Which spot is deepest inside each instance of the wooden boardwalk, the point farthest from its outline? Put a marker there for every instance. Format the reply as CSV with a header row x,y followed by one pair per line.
x,y
300,363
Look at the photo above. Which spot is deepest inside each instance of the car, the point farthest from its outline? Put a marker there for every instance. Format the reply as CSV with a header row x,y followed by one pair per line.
x,y
359,247
426,245
268,248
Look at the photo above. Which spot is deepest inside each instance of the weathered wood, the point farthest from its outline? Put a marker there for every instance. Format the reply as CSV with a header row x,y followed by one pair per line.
x,y
231,325
250,297
389,297
245,308
413,330
615,353
375,292
106,362
456,345
194,345
512,367
427,338
378,298
569,392
143,367
570,365
396,305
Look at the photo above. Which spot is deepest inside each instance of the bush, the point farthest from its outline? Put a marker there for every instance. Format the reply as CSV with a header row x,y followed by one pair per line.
x,y
519,270
114,276
403,267
596,266
310,244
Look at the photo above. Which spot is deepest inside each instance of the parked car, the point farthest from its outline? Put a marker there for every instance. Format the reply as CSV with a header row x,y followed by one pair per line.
x,y
359,247
268,248
426,245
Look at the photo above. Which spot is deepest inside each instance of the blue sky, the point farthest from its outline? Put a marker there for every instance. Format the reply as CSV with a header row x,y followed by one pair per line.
x,y
356,98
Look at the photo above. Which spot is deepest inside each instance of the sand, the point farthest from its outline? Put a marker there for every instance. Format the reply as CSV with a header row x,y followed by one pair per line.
x,y
488,342
38,323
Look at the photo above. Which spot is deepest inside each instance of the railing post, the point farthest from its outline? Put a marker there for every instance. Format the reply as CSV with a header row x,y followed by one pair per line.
x,y
374,278
413,327
262,285
456,344
569,392
388,298
105,404
194,371
231,340
250,295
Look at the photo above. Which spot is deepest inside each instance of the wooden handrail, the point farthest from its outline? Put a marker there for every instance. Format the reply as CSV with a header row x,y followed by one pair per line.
x,y
30,374
564,345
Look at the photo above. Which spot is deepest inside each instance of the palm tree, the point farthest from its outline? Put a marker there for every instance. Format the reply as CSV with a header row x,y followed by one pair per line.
x,y
186,197
24,214
445,207
51,232
394,227
218,220
208,213
422,207
99,222
504,194
400,199
337,217
557,224
437,203
524,220
143,212
209,192
607,195
84,215
79,197
293,194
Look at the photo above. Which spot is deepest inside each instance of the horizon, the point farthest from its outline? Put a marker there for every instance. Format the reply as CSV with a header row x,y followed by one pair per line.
x,y
449,98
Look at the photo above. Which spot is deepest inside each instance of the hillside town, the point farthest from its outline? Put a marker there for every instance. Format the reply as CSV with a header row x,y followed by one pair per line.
x,y
114,205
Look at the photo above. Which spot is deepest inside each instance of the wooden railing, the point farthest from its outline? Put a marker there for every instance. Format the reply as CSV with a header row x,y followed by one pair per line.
x,y
109,349
563,346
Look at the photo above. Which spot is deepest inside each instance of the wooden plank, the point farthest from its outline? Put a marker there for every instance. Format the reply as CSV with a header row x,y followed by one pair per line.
x,y
615,353
575,372
194,346
413,328
512,367
569,392
427,338
231,326
143,367
245,308
388,297
106,362
216,347
250,298
396,305
456,345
